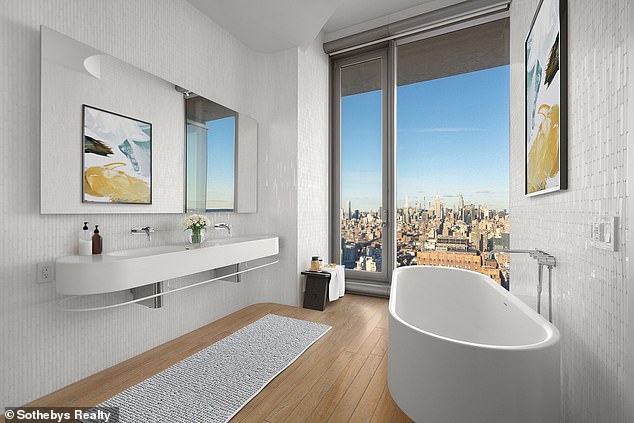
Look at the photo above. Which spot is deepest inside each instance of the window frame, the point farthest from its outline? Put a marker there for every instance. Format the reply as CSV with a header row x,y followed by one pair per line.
x,y
382,53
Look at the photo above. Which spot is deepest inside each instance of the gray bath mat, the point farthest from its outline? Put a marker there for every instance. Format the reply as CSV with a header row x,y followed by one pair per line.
x,y
215,383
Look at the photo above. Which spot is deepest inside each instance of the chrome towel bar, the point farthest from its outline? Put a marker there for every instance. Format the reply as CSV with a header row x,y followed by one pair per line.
x,y
63,301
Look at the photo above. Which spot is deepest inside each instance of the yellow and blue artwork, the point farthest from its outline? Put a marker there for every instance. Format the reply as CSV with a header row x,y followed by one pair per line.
x,y
545,165
117,158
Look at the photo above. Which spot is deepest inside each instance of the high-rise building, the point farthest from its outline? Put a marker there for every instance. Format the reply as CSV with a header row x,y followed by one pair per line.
x,y
506,240
349,211
350,254
377,256
476,240
366,264
460,206
498,242
438,208
452,243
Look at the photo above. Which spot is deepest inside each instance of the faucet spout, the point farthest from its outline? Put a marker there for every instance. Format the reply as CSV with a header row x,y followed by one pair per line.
x,y
223,225
147,230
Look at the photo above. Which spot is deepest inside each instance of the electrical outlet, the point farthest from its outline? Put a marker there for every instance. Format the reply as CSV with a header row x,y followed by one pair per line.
x,y
46,272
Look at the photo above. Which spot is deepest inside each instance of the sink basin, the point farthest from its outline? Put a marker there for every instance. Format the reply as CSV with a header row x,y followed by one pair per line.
x,y
148,251
126,269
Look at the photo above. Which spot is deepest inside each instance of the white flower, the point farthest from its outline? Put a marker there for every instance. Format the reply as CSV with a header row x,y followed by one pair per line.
x,y
197,221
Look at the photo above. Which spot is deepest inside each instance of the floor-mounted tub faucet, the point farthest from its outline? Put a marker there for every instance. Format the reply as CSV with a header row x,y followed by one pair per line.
x,y
223,225
147,230
543,259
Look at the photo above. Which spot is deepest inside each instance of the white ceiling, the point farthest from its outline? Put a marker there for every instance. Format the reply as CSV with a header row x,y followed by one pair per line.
x,y
270,25
353,12
275,25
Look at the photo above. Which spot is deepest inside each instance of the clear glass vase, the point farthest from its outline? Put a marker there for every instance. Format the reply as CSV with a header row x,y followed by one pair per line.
x,y
196,237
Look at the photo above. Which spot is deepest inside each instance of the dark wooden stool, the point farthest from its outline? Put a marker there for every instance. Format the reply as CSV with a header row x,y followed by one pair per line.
x,y
316,293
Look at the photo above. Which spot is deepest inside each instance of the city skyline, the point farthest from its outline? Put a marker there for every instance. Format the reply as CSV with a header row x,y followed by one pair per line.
x,y
427,204
452,139
435,234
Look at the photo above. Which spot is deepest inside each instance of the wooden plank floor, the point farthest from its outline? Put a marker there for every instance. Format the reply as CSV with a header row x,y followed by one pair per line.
x,y
341,378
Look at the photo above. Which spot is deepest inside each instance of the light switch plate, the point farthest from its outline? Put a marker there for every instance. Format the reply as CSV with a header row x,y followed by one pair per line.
x,y
603,233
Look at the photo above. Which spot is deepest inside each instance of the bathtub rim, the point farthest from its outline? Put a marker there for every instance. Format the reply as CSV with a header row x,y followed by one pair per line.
x,y
552,333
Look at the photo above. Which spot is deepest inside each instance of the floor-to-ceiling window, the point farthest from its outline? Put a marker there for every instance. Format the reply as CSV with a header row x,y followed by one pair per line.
x,y
452,155
362,190
420,154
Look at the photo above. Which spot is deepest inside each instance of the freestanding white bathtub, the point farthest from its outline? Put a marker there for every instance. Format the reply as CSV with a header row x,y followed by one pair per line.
x,y
462,349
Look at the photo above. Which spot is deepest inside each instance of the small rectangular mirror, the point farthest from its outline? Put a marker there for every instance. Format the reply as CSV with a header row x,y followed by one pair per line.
x,y
222,162
211,155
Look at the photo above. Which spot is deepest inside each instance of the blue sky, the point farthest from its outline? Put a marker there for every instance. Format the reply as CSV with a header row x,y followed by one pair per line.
x,y
452,138
220,161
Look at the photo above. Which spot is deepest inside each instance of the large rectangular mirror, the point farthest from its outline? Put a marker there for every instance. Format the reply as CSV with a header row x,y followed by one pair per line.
x,y
107,126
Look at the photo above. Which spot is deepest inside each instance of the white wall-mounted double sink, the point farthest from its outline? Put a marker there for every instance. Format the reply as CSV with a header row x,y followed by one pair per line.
x,y
126,269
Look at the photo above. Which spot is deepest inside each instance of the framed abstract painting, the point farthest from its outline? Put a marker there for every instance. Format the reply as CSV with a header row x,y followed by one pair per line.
x,y
117,158
546,100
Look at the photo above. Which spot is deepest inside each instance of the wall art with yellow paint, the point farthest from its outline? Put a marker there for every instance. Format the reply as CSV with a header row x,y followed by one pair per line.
x,y
117,164
545,67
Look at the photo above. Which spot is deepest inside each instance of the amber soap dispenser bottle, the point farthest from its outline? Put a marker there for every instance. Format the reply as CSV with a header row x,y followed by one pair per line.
x,y
97,241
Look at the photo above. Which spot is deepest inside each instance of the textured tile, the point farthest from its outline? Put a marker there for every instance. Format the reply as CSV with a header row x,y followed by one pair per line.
x,y
312,155
589,285
43,349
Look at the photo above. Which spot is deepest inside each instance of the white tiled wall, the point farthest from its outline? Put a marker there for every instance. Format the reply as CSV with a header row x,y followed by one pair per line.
x,y
312,153
590,291
43,349
629,336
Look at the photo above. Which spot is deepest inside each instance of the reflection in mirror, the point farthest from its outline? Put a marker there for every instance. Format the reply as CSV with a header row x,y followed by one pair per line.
x,y
211,135
74,75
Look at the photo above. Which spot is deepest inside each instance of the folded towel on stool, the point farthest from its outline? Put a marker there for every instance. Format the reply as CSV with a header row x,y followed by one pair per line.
x,y
337,282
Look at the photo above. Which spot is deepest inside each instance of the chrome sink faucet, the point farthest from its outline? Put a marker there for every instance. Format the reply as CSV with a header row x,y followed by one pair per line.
x,y
223,225
147,230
